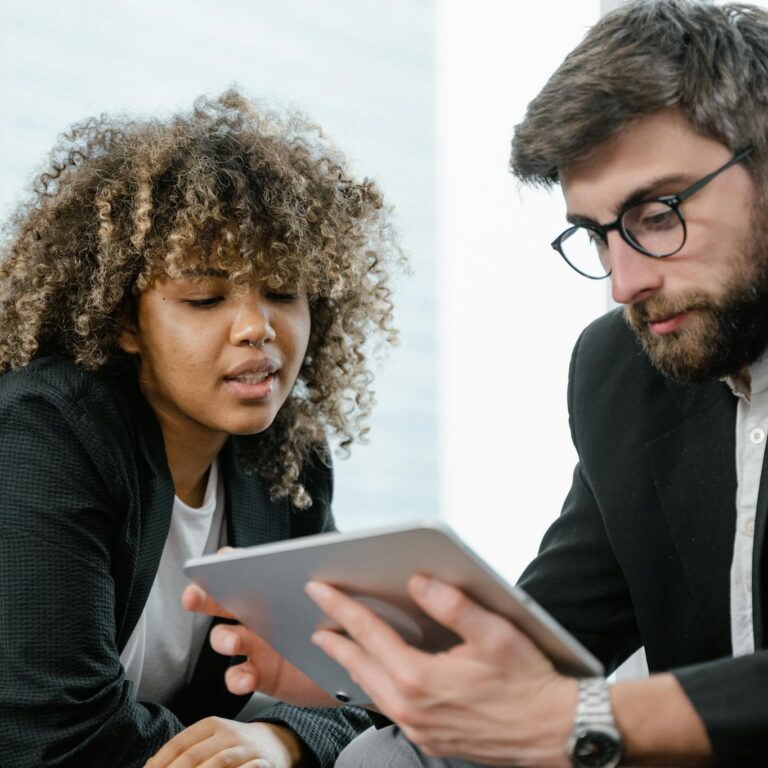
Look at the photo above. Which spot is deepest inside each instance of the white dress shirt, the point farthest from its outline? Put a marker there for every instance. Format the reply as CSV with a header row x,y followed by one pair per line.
x,y
751,433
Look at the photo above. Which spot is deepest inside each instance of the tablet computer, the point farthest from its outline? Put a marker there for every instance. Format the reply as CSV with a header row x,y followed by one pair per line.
x,y
264,587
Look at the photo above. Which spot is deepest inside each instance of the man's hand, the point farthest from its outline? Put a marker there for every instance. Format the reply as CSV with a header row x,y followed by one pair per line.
x,y
494,698
215,742
264,670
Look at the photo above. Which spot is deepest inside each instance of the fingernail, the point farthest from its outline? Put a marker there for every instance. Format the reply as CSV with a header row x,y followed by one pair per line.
x,y
316,590
317,638
226,642
245,683
421,585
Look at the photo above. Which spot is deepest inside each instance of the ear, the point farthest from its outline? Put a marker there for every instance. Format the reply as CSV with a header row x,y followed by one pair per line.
x,y
128,339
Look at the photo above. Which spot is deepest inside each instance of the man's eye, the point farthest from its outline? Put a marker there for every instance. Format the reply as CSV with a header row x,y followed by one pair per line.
x,y
662,219
210,301
596,240
650,217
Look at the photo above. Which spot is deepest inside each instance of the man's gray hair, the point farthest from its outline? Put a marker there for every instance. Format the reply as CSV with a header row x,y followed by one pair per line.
x,y
709,61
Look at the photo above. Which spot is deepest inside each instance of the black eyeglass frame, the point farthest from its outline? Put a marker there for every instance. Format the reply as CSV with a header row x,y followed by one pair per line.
x,y
673,201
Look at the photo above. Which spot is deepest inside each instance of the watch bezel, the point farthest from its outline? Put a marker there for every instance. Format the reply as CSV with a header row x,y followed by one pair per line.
x,y
584,732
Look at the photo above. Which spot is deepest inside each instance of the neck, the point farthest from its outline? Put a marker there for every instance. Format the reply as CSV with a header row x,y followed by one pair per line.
x,y
189,469
189,459
190,447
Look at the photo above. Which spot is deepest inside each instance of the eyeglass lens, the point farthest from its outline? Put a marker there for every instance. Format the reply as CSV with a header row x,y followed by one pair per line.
x,y
655,228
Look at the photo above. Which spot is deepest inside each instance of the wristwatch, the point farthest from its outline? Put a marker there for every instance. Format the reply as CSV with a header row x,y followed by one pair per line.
x,y
595,741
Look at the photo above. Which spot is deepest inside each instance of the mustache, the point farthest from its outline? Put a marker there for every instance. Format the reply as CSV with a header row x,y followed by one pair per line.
x,y
658,308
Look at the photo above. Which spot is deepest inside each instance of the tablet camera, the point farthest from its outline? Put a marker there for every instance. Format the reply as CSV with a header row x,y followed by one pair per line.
x,y
343,697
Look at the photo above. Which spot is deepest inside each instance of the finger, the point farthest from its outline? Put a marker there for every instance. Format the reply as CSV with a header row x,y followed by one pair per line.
x,y
170,750
237,640
202,753
198,600
363,625
179,744
232,758
265,670
242,679
474,624
363,669
257,762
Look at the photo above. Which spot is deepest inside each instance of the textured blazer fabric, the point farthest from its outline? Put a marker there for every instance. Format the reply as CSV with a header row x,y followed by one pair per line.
x,y
641,552
85,504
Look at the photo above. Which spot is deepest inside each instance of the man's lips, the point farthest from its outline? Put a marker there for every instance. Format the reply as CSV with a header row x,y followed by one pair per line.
x,y
667,324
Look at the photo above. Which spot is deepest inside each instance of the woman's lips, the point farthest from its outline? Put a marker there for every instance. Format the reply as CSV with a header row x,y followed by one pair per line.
x,y
250,387
667,324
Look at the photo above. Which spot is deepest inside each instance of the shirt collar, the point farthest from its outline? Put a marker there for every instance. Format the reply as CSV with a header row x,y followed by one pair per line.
x,y
754,382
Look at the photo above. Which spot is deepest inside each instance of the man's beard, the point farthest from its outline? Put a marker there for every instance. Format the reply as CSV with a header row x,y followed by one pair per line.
x,y
722,334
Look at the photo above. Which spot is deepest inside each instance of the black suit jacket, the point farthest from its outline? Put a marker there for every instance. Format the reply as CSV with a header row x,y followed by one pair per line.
x,y
85,503
641,553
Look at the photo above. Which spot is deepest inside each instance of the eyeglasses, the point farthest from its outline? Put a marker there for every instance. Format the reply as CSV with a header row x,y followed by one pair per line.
x,y
655,228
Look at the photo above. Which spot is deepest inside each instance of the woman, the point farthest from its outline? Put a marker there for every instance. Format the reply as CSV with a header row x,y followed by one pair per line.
x,y
184,306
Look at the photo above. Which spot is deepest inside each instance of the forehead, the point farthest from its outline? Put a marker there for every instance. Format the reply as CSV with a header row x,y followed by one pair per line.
x,y
650,148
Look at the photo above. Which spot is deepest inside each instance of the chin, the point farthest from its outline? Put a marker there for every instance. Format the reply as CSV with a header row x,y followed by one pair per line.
x,y
250,427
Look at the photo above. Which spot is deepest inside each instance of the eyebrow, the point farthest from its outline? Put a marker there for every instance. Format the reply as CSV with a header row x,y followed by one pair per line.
x,y
648,191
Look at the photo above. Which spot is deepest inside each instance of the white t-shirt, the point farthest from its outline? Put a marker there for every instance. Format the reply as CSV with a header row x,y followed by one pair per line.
x,y
161,653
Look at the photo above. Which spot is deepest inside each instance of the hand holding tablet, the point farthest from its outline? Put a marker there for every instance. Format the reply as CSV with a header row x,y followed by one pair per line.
x,y
263,587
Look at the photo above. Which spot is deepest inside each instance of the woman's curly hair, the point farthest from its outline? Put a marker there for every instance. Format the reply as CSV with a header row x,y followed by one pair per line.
x,y
124,201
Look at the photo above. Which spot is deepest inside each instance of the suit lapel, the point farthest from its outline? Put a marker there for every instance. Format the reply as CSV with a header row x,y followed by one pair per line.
x,y
146,534
695,475
759,573
252,516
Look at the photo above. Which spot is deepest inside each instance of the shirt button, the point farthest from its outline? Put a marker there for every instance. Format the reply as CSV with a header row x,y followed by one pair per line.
x,y
757,436
749,527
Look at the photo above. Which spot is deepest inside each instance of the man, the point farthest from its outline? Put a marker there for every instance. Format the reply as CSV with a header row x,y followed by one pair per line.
x,y
655,126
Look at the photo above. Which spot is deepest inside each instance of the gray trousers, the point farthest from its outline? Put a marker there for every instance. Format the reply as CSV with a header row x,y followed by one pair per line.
x,y
388,748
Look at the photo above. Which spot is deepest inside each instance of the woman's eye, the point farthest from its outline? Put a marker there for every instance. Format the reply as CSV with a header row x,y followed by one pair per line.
x,y
282,297
210,301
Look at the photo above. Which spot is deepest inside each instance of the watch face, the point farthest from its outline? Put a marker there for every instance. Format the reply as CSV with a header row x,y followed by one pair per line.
x,y
597,748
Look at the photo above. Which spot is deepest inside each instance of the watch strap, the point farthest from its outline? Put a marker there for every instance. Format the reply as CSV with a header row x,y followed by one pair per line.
x,y
595,741
593,706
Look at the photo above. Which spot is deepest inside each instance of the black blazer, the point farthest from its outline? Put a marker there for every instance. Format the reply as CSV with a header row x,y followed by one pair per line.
x,y
85,503
641,553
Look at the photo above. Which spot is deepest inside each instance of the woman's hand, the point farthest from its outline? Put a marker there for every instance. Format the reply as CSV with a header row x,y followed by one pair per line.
x,y
216,742
264,669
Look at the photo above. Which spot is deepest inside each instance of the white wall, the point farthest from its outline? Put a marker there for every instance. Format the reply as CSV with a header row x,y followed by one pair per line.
x,y
363,69
510,309
423,95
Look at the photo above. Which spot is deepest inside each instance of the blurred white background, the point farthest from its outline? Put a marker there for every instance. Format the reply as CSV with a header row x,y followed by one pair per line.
x,y
471,424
